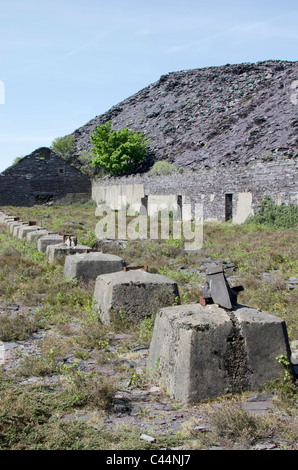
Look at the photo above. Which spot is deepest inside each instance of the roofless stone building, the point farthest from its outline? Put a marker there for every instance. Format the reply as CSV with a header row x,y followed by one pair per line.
x,y
42,177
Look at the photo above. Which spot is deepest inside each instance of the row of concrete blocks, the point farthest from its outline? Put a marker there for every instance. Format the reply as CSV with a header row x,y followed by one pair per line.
x,y
196,352
137,293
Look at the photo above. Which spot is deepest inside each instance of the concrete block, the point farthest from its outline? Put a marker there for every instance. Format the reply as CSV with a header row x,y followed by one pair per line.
x,y
7,219
31,236
24,229
266,338
46,240
88,266
62,249
206,352
14,224
16,228
4,218
137,294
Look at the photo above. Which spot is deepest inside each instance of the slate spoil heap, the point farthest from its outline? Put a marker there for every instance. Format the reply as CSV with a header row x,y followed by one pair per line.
x,y
214,115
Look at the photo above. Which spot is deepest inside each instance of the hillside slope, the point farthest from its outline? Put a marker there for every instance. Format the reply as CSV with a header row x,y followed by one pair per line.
x,y
214,115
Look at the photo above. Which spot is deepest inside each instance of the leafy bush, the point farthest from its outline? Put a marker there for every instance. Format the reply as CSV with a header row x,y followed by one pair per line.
x,y
119,152
272,215
162,168
64,147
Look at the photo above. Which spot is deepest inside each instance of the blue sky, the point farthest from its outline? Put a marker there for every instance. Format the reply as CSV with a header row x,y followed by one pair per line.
x,y
64,62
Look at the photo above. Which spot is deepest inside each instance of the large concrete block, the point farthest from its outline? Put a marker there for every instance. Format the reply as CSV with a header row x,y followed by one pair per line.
x,y
17,228
206,352
24,229
6,219
137,294
47,240
12,225
88,266
62,249
31,236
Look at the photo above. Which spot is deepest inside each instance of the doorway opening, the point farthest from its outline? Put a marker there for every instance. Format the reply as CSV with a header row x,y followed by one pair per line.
x,y
228,207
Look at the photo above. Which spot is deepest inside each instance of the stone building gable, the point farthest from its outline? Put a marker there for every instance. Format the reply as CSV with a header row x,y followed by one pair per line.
x,y
41,177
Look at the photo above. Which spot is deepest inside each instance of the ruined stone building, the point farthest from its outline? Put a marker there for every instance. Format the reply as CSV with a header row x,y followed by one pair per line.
x,y
227,192
42,177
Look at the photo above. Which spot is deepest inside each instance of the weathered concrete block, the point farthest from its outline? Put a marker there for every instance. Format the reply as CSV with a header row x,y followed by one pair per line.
x,y
7,218
31,236
16,228
62,249
206,352
137,294
14,224
88,266
46,240
266,338
24,229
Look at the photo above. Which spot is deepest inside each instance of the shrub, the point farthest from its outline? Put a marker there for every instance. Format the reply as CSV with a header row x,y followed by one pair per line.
x,y
272,215
118,152
64,147
162,168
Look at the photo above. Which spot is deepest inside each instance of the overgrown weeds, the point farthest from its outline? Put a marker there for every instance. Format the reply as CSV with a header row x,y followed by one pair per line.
x,y
275,216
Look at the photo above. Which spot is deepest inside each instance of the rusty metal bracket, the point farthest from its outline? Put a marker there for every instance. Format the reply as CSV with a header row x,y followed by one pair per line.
x,y
130,268
217,290
70,240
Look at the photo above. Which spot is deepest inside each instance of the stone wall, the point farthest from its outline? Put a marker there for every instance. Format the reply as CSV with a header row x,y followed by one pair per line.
x,y
244,186
41,177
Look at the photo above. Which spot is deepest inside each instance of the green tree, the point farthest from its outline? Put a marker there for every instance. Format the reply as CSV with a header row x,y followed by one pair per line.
x,y
64,147
119,152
